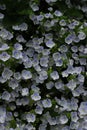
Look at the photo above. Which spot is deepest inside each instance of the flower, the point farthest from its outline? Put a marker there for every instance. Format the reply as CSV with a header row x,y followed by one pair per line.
x,y
18,46
54,75
68,39
47,103
4,56
26,74
39,110
57,13
63,119
1,16
23,26
50,44
35,96
83,108
7,73
4,47
6,95
30,117
16,54
13,83
49,85
25,91
2,114
81,35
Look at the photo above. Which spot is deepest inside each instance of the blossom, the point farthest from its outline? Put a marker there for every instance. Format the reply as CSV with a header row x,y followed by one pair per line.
x,y
30,117
26,74
4,47
4,56
54,75
47,103
1,16
35,96
2,114
25,91
7,73
83,108
50,44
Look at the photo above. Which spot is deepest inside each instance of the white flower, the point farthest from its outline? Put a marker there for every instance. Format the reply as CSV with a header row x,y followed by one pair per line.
x,y
23,27
13,83
25,101
44,61
28,63
25,91
63,119
59,62
7,73
20,38
82,61
26,74
15,27
30,117
65,73
6,35
35,96
54,75
39,110
83,108
34,88
16,54
43,75
4,47
2,6
30,52
6,95
57,13
72,84
82,35
17,75
9,36
40,17
57,56
81,78
50,44
48,1
85,50
70,69
18,46
62,22
74,48
29,126
4,56
63,48
47,103
2,80
2,114
53,0
59,85
68,39
78,70
74,116
1,16
49,85
42,126
3,33
48,15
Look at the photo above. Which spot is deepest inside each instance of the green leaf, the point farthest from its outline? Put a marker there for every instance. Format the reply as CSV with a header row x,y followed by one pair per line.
x,y
13,123
74,13
25,12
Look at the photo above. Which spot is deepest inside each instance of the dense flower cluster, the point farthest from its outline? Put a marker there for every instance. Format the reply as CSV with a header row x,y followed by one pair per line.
x,y
43,65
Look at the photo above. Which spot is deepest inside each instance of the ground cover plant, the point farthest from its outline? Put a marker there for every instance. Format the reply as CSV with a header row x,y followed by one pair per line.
x,y
43,65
